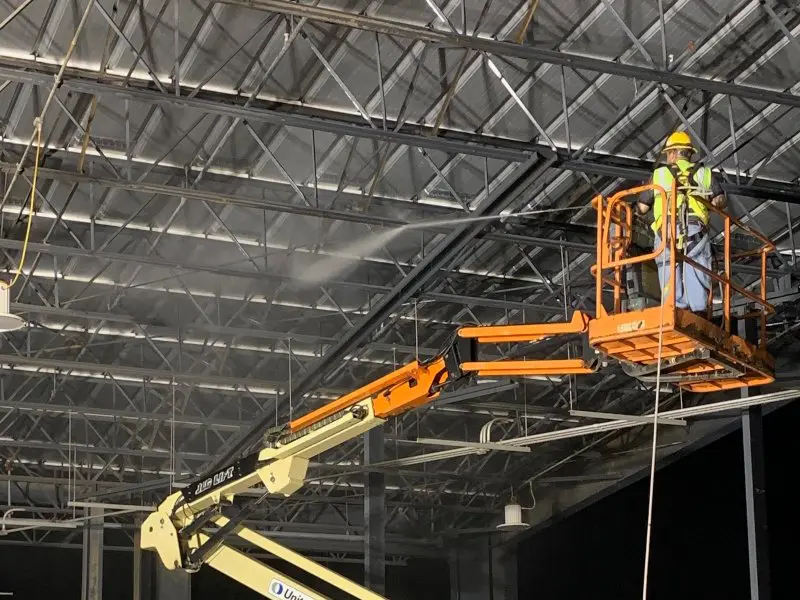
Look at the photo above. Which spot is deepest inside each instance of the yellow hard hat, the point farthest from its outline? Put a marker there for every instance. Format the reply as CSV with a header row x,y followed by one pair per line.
x,y
679,140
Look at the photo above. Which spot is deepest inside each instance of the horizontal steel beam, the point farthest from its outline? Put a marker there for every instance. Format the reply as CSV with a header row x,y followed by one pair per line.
x,y
84,80
305,546
126,381
198,195
96,450
242,383
123,489
641,170
182,266
114,415
201,328
522,51
337,123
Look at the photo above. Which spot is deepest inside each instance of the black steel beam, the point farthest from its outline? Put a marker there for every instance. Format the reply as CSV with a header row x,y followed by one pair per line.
x,y
200,195
275,113
449,141
512,50
640,170
181,266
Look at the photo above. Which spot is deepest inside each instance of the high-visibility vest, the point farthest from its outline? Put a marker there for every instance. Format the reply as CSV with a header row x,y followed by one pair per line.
x,y
688,175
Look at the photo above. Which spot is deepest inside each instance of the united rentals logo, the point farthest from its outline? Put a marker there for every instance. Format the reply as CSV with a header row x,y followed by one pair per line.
x,y
278,589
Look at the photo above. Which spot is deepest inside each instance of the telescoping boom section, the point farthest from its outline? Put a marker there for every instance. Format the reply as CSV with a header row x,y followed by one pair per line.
x,y
649,337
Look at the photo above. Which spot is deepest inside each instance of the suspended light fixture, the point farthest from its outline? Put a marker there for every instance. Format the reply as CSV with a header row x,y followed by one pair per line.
x,y
8,322
513,517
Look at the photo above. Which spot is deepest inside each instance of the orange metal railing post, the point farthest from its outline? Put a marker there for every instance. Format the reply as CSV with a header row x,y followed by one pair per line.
x,y
618,248
611,252
599,202
764,308
644,257
726,302
764,298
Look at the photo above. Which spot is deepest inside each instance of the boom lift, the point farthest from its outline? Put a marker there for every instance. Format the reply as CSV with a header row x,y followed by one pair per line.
x,y
189,528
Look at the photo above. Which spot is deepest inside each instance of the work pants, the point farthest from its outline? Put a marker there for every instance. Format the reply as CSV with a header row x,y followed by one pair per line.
x,y
691,285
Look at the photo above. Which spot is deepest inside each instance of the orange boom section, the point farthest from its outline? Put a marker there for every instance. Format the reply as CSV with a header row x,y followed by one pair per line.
x,y
534,332
401,390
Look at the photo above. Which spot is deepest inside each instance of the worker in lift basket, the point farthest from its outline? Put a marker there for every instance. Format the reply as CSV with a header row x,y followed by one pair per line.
x,y
693,181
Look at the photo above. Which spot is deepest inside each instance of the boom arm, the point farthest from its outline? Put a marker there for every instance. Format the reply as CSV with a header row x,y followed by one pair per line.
x,y
179,529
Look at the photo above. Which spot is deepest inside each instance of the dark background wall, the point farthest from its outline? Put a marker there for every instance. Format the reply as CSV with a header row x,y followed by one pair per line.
x,y
419,580
699,544
38,573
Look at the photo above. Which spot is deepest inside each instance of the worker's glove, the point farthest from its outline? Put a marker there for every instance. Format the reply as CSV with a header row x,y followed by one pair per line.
x,y
719,201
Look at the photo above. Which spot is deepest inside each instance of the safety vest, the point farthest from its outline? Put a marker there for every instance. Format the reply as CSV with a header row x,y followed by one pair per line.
x,y
688,175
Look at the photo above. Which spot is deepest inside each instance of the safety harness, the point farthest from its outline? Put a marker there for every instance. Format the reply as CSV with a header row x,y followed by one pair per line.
x,y
688,188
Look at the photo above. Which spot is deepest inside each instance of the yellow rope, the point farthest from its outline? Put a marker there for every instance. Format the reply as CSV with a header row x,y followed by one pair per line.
x,y
37,123
527,22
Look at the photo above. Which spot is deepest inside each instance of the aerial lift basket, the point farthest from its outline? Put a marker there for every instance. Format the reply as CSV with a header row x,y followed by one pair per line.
x,y
699,353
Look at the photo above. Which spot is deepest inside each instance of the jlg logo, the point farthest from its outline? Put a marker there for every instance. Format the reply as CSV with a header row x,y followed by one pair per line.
x,y
213,481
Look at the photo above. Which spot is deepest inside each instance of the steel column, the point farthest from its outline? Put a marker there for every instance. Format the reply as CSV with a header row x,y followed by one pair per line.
x,y
755,493
756,499
481,571
137,564
374,514
92,584
172,585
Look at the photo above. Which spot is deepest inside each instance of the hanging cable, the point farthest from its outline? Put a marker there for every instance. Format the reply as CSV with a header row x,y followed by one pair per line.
x,y
36,136
290,379
416,332
71,495
59,78
37,124
648,536
172,461
533,496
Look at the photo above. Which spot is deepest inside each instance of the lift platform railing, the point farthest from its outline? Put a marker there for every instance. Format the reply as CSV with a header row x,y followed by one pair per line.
x,y
764,247
614,234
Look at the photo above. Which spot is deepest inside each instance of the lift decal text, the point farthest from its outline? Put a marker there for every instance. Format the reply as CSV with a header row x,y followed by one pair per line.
x,y
286,592
217,479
